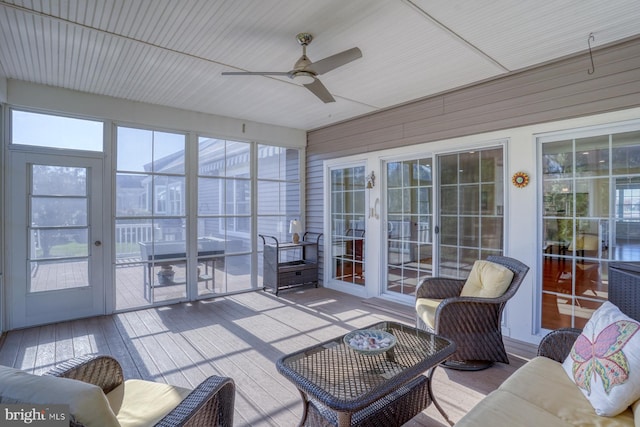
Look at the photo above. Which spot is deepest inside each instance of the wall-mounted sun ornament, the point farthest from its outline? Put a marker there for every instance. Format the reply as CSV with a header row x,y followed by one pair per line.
x,y
520,179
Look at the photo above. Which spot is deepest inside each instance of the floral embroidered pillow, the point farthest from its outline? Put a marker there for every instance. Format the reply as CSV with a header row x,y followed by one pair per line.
x,y
604,362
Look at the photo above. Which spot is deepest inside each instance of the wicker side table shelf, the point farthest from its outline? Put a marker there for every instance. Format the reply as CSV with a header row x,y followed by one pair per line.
x,y
288,265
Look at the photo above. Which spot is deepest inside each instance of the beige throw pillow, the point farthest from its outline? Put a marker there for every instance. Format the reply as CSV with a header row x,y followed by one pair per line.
x,y
487,280
87,403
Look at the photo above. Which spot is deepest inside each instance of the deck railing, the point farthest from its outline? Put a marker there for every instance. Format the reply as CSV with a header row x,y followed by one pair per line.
x,y
128,236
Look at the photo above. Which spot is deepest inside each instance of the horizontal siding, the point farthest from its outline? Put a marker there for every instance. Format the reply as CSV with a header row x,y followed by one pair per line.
x,y
314,208
551,81
550,92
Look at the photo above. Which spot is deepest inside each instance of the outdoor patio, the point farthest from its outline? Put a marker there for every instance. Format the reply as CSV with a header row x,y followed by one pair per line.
x,y
240,336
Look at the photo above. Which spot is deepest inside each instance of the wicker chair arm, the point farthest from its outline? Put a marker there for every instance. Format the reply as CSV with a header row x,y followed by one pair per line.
x,y
210,404
557,344
101,370
439,288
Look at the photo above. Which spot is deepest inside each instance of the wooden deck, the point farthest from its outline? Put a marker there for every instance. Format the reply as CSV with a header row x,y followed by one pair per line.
x,y
239,336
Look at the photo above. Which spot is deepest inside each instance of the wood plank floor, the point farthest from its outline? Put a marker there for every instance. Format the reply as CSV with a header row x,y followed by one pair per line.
x,y
240,336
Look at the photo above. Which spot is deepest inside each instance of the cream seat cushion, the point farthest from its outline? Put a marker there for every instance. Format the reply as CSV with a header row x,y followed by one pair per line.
x,y
143,403
487,280
539,394
87,403
426,310
544,383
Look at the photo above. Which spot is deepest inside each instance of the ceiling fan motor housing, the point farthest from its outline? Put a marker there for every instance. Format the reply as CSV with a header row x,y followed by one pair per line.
x,y
304,38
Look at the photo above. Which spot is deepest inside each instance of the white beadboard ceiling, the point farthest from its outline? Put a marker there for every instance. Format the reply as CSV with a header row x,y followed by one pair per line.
x,y
172,52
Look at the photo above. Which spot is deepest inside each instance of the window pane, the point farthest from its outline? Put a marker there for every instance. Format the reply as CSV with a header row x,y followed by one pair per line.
x,y
211,157
469,199
448,170
168,153
269,198
59,243
238,159
53,275
130,234
46,130
238,197
168,195
142,150
278,163
469,167
58,181
211,228
170,229
135,149
394,174
592,156
241,241
626,153
626,223
557,159
58,211
210,196
132,194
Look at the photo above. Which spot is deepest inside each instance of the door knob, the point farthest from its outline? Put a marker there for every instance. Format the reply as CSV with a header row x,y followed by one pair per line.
x,y
98,243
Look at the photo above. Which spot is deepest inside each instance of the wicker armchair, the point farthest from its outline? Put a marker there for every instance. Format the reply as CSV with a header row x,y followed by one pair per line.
x,y
472,323
210,404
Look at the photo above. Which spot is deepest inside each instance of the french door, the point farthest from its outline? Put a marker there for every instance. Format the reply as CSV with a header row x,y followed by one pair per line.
x,y
348,186
442,214
56,259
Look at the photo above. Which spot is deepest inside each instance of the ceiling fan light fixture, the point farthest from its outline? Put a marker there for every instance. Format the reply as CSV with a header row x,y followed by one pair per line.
x,y
303,77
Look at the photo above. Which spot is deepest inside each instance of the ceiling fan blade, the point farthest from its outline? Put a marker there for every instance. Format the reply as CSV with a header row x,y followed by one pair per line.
x,y
318,89
257,73
334,61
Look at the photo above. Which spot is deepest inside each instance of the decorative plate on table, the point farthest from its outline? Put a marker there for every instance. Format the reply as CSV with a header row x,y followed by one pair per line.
x,y
370,341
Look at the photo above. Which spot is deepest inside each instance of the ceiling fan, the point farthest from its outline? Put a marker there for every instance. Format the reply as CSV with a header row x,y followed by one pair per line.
x,y
306,72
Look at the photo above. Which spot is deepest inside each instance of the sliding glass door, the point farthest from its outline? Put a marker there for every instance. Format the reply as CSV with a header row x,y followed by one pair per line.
x,y
470,221
440,219
590,216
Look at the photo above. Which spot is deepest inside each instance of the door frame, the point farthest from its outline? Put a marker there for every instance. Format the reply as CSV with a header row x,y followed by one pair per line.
x,y
22,308
368,289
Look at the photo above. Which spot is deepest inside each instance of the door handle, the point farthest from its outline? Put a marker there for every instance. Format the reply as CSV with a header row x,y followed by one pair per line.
x,y
98,243
436,229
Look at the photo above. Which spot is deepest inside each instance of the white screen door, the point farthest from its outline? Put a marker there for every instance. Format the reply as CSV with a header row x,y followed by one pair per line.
x,y
55,259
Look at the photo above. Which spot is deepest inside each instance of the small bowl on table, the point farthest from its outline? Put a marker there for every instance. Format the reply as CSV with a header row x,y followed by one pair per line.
x,y
370,341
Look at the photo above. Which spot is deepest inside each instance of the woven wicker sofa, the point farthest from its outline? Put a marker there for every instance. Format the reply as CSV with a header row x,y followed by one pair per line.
x,y
540,393
94,388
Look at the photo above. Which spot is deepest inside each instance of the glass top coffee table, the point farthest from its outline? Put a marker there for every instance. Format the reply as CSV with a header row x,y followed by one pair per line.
x,y
337,381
